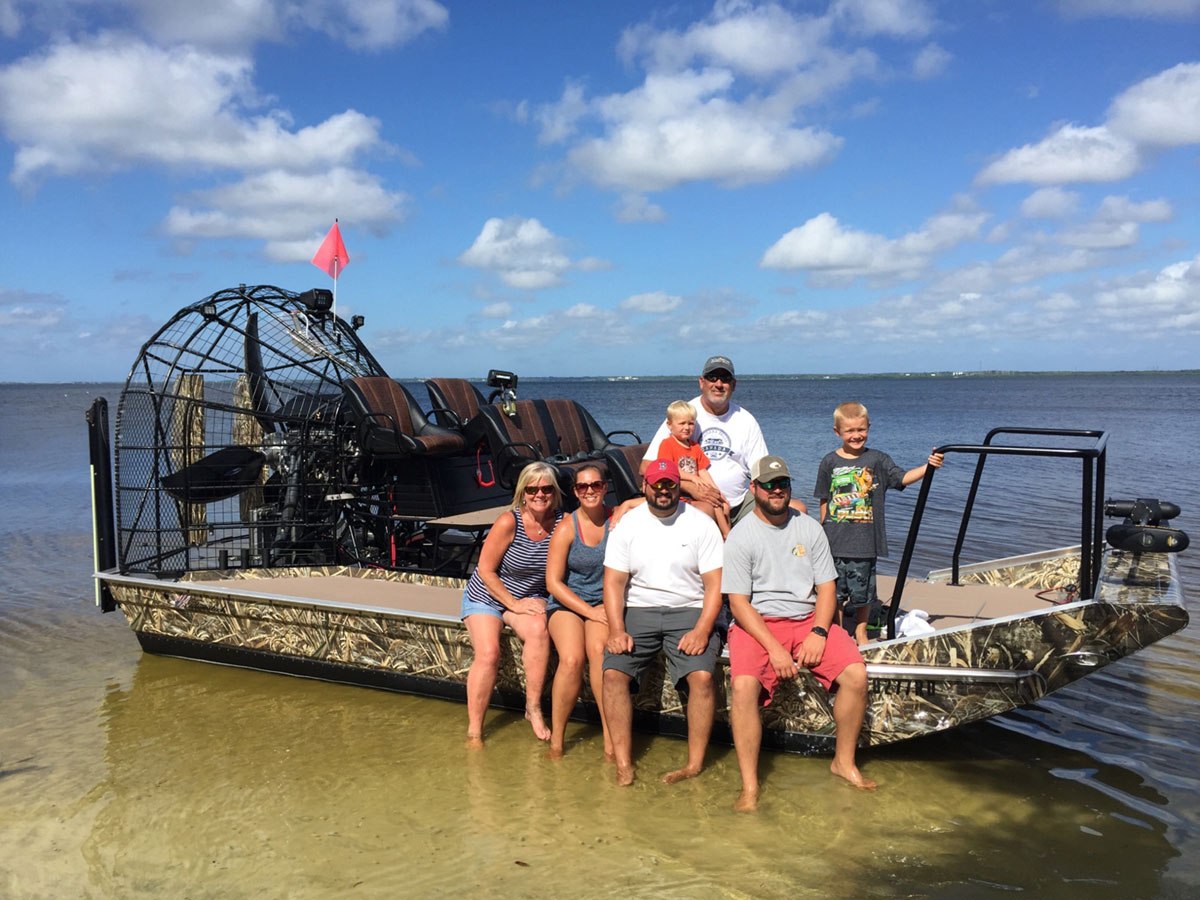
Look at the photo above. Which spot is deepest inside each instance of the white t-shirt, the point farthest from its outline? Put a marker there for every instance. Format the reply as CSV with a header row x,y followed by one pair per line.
x,y
664,557
731,442
778,567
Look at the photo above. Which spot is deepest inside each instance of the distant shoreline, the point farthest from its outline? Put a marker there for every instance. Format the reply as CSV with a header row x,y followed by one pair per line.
x,y
859,376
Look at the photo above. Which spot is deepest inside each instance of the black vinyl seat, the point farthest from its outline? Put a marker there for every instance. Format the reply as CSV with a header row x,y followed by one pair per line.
x,y
390,422
453,401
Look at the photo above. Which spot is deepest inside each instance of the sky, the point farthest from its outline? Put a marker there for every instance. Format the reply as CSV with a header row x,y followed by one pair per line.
x,y
617,188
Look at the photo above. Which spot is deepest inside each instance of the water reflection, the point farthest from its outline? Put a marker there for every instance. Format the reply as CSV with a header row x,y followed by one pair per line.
x,y
224,782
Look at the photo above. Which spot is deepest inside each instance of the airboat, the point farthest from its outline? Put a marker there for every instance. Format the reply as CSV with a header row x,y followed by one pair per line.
x,y
271,498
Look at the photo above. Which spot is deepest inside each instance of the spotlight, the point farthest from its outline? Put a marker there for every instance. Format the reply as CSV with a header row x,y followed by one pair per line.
x,y
318,300
209,311
357,322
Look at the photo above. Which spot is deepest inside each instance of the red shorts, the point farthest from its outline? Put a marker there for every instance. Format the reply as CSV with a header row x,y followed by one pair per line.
x,y
748,657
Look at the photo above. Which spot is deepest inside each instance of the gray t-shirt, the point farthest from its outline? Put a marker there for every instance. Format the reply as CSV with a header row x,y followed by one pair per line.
x,y
855,491
777,566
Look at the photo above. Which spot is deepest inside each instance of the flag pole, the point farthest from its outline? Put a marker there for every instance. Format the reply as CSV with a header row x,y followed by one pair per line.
x,y
335,276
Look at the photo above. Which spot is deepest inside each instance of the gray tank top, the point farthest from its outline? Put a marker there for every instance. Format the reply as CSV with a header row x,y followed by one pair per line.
x,y
585,566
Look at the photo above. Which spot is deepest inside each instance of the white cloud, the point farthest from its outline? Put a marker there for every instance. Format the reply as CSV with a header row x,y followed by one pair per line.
x,y
288,210
1116,209
823,246
1160,111
896,18
1163,110
637,208
682,127
656,302
109,103
1100,235
1168,300
755,40
237,24
930,61
721,99
1070,154
1050,203
497,311
523,253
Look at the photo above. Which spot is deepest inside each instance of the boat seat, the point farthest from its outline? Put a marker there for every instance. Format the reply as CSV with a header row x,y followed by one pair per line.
x,y
560,432
624,461
391,423
454,401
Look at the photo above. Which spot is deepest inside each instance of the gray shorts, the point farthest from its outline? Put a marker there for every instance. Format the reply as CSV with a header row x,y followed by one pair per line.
x,y
855,583
660,628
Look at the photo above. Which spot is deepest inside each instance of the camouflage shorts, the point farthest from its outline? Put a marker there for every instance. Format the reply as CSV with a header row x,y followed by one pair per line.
x,y
855,584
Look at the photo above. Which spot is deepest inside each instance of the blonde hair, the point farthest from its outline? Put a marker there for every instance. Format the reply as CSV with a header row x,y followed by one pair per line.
x,y
849,410
679,409
537,471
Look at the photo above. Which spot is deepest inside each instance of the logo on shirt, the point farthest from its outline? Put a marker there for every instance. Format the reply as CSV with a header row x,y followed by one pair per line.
x,y
715,443
799,550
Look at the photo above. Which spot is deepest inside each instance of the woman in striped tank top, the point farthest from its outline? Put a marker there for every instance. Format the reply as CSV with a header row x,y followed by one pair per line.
x,y
508,587
578,626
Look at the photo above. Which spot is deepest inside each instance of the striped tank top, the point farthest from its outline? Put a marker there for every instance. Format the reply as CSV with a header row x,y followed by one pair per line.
x,y
522,569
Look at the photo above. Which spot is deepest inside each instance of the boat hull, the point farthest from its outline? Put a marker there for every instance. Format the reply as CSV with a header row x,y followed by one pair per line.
x,y
918,686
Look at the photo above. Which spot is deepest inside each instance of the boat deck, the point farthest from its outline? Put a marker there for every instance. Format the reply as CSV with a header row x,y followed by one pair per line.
x,y
948,605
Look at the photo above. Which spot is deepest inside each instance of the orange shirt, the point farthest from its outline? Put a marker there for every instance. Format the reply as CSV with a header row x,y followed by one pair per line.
x,y
690,459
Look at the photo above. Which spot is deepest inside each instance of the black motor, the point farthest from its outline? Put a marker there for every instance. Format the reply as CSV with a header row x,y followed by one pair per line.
x,y
1141,532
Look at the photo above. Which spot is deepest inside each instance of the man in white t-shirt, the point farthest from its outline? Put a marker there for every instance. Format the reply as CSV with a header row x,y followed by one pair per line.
x,y
728,435
662,591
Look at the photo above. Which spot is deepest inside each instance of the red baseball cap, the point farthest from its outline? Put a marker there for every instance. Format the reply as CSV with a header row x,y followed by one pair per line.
x,y
661,469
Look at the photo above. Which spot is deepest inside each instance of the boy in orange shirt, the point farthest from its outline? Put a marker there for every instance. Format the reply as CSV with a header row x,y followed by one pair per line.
x,y
693,464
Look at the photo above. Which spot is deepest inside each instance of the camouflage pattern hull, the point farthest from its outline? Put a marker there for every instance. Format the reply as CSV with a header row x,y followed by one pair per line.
x,y
918,685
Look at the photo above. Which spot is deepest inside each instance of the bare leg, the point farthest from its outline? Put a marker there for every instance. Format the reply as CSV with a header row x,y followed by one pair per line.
x,y
595,635
566,629
535,656
484,632
618,710
860,624
848,712
747,738
700,709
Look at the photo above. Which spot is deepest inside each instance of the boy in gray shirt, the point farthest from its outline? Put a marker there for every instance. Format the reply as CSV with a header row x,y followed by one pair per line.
x,y
851,484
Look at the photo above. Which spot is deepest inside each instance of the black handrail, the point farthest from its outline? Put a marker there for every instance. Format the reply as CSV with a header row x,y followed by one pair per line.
x,y
1091,505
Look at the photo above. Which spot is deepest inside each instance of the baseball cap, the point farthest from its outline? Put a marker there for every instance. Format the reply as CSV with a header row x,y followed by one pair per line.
x,y
713,363
661,469
768,468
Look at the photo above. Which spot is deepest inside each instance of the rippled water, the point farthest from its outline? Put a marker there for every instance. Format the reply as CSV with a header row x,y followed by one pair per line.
x,y
123,774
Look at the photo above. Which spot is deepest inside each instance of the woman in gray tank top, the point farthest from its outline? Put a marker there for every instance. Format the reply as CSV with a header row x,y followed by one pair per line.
x,y
575,580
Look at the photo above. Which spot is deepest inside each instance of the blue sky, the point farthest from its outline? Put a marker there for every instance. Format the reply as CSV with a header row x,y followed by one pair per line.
x,y
615,188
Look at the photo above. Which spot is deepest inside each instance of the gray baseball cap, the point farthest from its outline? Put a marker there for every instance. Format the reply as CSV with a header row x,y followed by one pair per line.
x,y
768,468
713,363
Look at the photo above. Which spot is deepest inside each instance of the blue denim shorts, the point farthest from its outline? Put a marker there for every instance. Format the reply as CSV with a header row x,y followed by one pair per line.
x,y
475,608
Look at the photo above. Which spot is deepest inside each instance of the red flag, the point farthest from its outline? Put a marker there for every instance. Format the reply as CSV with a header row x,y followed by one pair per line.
x,y
332,256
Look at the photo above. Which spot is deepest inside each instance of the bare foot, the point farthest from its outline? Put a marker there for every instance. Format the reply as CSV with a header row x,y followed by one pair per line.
x,y
540,730
747,801
554,752
625,774
681,774
853,776
474,742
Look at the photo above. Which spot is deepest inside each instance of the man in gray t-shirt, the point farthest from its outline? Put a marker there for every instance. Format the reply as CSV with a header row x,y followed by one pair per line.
x,y
779,575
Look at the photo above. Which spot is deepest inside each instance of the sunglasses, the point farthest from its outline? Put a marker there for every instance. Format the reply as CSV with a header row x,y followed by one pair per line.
x,y
543,489
714,377
588,487
664,485
779,484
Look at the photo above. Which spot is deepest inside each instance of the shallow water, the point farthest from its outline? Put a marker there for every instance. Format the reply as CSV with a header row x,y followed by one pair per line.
x,y
127,775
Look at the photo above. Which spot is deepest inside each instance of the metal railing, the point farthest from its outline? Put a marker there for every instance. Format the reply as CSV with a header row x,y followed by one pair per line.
x,y
1091,504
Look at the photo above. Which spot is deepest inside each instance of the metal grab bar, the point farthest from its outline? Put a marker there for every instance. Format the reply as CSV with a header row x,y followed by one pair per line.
x,y
1094,460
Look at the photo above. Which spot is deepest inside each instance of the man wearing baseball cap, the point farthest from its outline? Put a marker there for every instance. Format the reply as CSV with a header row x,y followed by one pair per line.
x,y
780,578
662,591
728,435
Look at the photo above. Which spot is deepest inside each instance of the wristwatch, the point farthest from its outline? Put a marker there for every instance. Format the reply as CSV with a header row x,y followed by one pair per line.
x,y
823,632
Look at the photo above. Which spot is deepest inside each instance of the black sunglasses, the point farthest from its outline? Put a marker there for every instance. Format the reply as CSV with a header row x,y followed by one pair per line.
x,y
542,489
723,377
778,484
